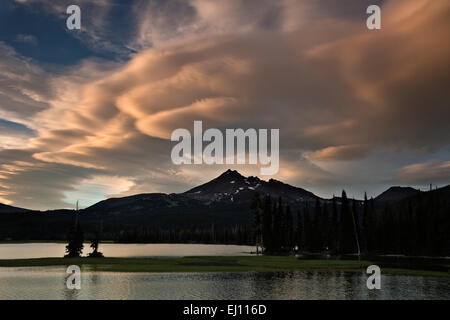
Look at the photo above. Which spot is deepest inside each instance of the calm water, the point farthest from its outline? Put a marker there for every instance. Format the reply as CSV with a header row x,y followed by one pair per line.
x,y
49,250
49,283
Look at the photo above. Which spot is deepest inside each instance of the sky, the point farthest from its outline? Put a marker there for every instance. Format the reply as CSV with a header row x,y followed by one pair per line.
x,y
87,114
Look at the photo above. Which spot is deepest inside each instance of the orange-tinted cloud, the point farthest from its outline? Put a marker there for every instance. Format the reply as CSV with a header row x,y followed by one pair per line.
x,y
425,173
336,90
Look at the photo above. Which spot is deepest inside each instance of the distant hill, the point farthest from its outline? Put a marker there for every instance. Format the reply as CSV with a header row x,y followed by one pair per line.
x,y
397,193
9,209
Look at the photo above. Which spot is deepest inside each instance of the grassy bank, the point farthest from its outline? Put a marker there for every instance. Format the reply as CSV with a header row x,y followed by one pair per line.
x,y
214,264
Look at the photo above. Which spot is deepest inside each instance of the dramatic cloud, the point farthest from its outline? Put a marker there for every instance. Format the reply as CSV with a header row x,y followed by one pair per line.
x,y
14,135
399,76
24,87
346,152
340,93
425,173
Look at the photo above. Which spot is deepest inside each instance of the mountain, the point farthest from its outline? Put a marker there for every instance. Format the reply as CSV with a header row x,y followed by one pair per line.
x,y
9,209
223,202
396,194
231,186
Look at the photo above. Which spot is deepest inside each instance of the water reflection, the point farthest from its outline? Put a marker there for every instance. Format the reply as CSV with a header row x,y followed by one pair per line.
x,y
50,283
49,250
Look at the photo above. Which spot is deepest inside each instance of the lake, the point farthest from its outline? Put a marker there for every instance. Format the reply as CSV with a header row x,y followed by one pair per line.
x,y
122,250
49,283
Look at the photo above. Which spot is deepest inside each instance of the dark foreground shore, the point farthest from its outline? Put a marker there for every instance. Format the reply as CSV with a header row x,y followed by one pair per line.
x,y
226,264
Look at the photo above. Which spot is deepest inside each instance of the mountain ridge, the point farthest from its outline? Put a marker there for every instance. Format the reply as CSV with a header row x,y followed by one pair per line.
x,y
233,186
395,193
230,186
4,208
223,202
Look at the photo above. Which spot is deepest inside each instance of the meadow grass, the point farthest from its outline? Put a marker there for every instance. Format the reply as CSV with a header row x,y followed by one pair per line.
x,y
216,264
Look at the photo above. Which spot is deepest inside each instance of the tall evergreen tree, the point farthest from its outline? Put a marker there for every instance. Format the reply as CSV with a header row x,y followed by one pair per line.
x,y
94,246
300,230
347,234
410,227
267,224
289,230
307,228
356,231
317,236
277,225
372,225
75,239
334,226
365,225
326,228
257,219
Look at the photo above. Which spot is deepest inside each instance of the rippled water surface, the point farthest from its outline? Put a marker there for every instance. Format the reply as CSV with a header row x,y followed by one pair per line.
x,y
49,283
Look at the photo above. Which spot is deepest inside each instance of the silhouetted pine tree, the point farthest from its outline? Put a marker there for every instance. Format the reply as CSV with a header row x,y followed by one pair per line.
x,y
257,219
75,239
289,230
334,226
326,228
277,225
356,231
300,230
94,246
347,235
307,228
317,230
267,224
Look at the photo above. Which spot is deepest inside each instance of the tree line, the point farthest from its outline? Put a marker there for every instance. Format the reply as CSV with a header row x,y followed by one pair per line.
x,y
241,235
415,226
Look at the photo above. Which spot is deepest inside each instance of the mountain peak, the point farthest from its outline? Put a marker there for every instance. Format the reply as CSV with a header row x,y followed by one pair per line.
x,y
231,173
397,193
234,187
227,185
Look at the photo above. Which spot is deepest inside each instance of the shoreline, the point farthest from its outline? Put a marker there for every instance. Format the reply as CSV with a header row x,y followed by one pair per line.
x,y
221,264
